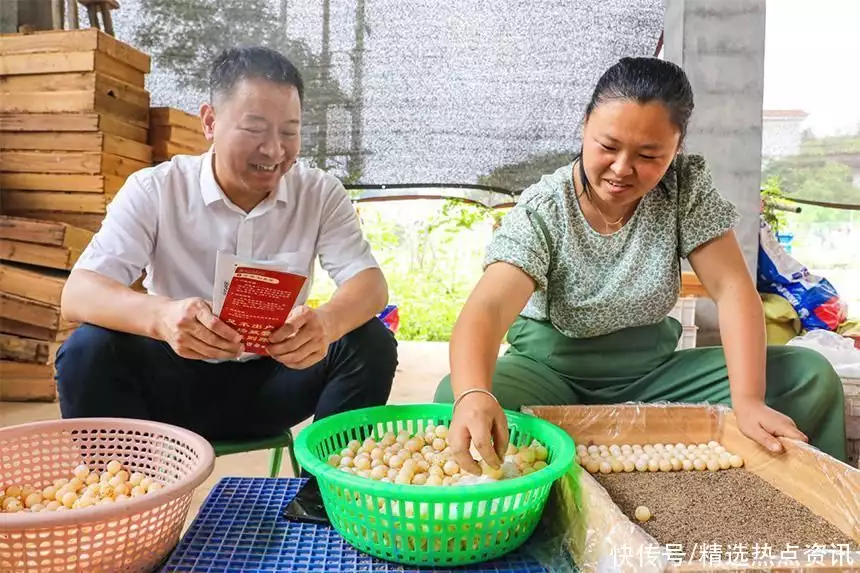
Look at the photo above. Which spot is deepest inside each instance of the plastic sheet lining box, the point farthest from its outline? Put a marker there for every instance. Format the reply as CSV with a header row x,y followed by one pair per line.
x,y
593,527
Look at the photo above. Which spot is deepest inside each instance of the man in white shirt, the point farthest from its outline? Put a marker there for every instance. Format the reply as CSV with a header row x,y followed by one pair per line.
x,y
164,355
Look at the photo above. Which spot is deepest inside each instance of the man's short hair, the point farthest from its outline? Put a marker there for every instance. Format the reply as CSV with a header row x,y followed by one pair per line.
x,y
233,65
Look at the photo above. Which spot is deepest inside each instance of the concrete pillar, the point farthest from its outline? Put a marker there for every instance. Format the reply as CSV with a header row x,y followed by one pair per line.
x,y
720,45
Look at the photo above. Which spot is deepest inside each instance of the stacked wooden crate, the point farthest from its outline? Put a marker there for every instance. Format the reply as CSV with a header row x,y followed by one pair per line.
x,y
175,132
74,122
36,256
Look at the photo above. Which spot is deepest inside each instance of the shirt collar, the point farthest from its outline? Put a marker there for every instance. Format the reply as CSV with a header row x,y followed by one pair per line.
x,y
212,192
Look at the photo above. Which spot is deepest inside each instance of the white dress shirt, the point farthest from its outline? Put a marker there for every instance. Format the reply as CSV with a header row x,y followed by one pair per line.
x,y
173,218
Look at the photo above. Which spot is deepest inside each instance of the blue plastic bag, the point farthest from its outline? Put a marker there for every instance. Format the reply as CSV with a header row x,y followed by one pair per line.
x,y
814,298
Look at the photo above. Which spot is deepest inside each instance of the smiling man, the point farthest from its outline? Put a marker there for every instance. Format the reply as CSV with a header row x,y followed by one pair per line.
x,y
164,355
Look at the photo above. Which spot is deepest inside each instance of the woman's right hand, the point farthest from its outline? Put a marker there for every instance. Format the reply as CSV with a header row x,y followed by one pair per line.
x,y
478,419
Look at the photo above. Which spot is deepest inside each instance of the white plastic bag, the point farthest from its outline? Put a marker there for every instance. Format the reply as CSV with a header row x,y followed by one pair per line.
x,y
839,350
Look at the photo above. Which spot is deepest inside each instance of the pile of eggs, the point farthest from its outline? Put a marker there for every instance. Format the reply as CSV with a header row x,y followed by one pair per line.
x,y
85,488
426,458
656,457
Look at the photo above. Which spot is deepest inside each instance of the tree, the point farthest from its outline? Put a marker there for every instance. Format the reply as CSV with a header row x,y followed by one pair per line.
x,y
820,180
184,36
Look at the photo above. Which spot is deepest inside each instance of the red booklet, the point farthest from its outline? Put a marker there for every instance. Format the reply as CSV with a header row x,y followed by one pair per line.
x,y
258,302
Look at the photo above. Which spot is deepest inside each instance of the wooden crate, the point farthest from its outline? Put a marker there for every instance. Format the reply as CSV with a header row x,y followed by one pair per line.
x,y
175,132
84,162
33,283
87,221
594,524
35,314
90,39
169,116
21,349
104,184
69,62
52,141
179,136
72,122
27,382
692,286
27,368
74,92
166,150
42,243
11,326
35,203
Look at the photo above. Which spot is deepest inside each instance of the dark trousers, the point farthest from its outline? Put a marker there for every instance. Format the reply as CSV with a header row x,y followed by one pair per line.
x,y
102,372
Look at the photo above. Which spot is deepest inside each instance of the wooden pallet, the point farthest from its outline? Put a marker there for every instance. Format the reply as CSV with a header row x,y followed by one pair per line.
x,y
72,122
43,243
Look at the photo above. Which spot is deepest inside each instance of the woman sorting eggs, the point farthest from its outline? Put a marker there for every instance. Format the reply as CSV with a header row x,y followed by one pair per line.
x,y
585,268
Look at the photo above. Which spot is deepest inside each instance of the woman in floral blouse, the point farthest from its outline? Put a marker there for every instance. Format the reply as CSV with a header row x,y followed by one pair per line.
x,y
584,270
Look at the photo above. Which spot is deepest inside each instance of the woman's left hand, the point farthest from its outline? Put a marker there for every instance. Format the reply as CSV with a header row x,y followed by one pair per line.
x,y
763,424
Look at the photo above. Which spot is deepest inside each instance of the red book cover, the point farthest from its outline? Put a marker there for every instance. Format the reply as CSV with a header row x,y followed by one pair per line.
x,y
258,302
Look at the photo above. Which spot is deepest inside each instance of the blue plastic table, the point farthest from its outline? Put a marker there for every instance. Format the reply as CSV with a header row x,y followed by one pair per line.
x,y
240,527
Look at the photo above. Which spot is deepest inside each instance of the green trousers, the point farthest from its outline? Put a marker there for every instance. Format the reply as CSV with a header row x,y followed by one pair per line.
x,y
544,367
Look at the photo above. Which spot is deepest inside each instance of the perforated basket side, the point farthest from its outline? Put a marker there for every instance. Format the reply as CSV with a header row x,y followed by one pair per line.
x,y
430,525
134,535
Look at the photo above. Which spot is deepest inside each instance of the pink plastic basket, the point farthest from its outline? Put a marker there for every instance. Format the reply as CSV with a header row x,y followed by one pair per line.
x,y
134,535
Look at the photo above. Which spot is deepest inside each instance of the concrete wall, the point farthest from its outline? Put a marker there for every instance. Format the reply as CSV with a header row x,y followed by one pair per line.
x,y
720,44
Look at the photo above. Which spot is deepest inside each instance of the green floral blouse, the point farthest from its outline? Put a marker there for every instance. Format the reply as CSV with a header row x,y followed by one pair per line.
x,y
597,283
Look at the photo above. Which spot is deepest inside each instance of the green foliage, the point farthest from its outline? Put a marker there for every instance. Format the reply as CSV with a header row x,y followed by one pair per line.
x,y
819,180
772,196
431,268
836,145
823,170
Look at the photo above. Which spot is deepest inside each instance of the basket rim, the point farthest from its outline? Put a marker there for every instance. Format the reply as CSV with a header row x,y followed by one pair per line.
x,y
561,463
14,522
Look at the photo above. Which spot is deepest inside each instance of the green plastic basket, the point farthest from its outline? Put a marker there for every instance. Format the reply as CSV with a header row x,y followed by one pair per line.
x,y
430,525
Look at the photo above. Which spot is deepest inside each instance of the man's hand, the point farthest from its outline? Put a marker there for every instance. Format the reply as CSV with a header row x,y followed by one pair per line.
x,y
763,424
302,341
190,328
